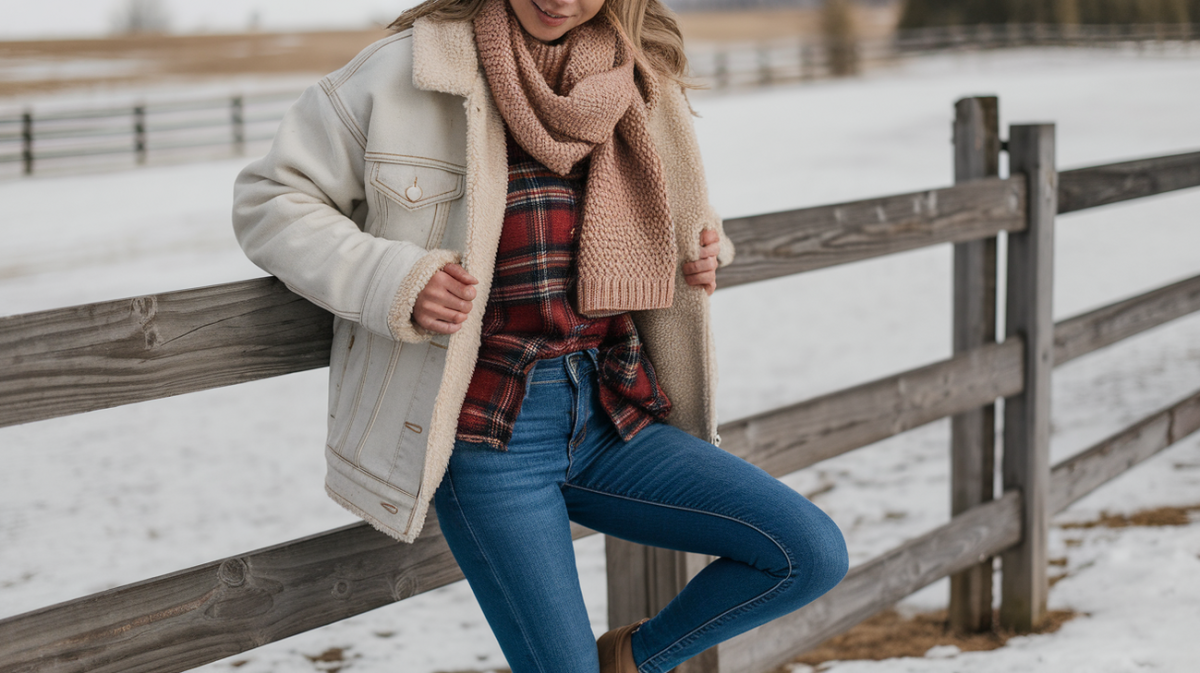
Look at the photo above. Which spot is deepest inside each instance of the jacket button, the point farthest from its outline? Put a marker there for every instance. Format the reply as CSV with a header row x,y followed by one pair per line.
x,y
413,193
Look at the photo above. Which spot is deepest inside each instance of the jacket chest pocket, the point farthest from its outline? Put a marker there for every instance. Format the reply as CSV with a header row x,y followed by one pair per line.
x,y
414,196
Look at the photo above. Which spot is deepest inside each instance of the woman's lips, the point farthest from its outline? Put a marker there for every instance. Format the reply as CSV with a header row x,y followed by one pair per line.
x,y
548,18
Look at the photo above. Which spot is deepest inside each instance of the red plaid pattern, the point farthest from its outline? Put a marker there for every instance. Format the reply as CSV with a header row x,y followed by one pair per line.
x,y
531,313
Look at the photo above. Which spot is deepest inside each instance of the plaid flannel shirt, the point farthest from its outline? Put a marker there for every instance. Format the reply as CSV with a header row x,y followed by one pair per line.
x,y
531,314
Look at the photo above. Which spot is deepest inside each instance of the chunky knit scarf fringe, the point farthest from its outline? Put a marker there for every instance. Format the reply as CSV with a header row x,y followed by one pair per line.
x,y
626,257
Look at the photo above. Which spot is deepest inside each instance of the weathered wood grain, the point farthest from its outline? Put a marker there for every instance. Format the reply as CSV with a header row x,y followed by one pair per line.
x,y
978,533
1085,472
1111,183
73,360
973,433
642,580
779,244
192,617
793,437
1029,314
1105,326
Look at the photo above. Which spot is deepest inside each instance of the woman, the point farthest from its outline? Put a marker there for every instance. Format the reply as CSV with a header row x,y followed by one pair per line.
x,y
497,204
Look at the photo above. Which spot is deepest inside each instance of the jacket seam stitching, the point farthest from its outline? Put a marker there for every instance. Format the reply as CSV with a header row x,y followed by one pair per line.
x,y
367,474
344,114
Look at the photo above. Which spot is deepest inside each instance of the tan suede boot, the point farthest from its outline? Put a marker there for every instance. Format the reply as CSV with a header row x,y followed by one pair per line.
x,y
616,652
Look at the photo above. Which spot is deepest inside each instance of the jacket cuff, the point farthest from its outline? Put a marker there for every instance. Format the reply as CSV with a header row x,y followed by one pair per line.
x,y
400,316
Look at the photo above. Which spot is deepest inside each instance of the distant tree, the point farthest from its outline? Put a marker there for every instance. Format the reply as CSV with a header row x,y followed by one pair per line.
x,y
841,42
1066,12
924,13
141,16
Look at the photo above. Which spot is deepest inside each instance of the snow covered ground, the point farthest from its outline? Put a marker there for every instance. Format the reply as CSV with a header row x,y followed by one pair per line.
x,y
111,497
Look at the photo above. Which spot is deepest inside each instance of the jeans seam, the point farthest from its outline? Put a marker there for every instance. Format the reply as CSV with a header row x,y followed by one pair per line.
x,y
492,570
649,660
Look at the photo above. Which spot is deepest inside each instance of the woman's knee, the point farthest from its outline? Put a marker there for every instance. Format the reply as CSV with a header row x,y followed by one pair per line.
x,y
816,548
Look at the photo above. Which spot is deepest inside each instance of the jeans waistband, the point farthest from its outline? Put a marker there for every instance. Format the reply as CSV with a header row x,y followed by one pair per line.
x,y
561,367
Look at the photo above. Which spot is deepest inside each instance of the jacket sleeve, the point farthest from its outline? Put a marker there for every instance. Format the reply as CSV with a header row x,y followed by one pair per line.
x,y
298,214
679,151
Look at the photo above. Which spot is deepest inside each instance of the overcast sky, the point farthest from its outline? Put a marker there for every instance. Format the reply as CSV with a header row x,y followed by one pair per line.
x,y
27,19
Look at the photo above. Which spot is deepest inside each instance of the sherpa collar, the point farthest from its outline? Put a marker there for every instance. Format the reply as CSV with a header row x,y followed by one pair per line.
x,y
444,56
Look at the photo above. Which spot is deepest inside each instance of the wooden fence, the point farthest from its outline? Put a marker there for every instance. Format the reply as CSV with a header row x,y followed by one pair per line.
x,y
74,140
96,138
73,360
803,58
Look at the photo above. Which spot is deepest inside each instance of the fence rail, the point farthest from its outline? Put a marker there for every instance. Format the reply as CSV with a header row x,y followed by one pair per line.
x,y
72,360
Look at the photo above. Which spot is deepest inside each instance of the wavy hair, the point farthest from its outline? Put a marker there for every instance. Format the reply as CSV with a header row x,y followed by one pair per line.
x,y
648,25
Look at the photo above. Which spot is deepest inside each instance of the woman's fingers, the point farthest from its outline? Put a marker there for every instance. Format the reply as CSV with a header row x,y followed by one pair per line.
x,y
443,304
442,313
459,274
700,266
703,271
701,279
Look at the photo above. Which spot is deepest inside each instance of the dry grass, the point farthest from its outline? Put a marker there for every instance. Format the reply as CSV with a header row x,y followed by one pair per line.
x,y
1159,516
153,57
889,635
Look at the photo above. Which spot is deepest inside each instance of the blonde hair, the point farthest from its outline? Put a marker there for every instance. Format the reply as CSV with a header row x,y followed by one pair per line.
x,y
648,25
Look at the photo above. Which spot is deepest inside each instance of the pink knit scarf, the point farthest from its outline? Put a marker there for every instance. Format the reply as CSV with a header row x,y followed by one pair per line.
x,y
627,253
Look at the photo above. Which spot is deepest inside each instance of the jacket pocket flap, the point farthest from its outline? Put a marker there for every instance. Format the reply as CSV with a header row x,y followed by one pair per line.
x,y
415,182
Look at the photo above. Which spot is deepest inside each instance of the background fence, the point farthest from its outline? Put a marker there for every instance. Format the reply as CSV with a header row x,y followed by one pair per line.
x,y
78,359
76,140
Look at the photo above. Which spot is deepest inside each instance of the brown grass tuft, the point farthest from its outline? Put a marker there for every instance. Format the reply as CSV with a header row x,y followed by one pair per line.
x,y
888,635
1159,516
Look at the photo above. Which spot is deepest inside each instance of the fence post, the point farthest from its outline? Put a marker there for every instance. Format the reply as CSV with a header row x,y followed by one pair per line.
x,y
764,64
237,119
642,580
27,141
139,133
1029,314
972,434
722,68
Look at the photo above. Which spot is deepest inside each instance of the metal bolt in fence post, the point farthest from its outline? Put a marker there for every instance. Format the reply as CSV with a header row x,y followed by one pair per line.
x,y
27,141
139,133
238,122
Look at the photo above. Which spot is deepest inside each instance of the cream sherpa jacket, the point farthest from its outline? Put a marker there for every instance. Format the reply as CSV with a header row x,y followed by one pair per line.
x,y
382,173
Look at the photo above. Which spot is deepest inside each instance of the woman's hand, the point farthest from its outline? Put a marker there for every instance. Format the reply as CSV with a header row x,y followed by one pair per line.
x,y
442,306
703,271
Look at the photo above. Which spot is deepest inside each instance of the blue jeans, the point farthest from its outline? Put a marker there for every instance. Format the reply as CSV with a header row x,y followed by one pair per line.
x,y
506,517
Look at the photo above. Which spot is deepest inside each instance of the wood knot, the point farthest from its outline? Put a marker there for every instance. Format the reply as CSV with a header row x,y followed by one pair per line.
x,y
405,587
146,309
341,589
233,572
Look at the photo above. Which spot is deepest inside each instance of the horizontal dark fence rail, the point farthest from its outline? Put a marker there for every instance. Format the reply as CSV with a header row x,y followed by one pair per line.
x,y
791,438
222,608
1108,459
1104,326
38,141
780,244
1112,183
78,359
